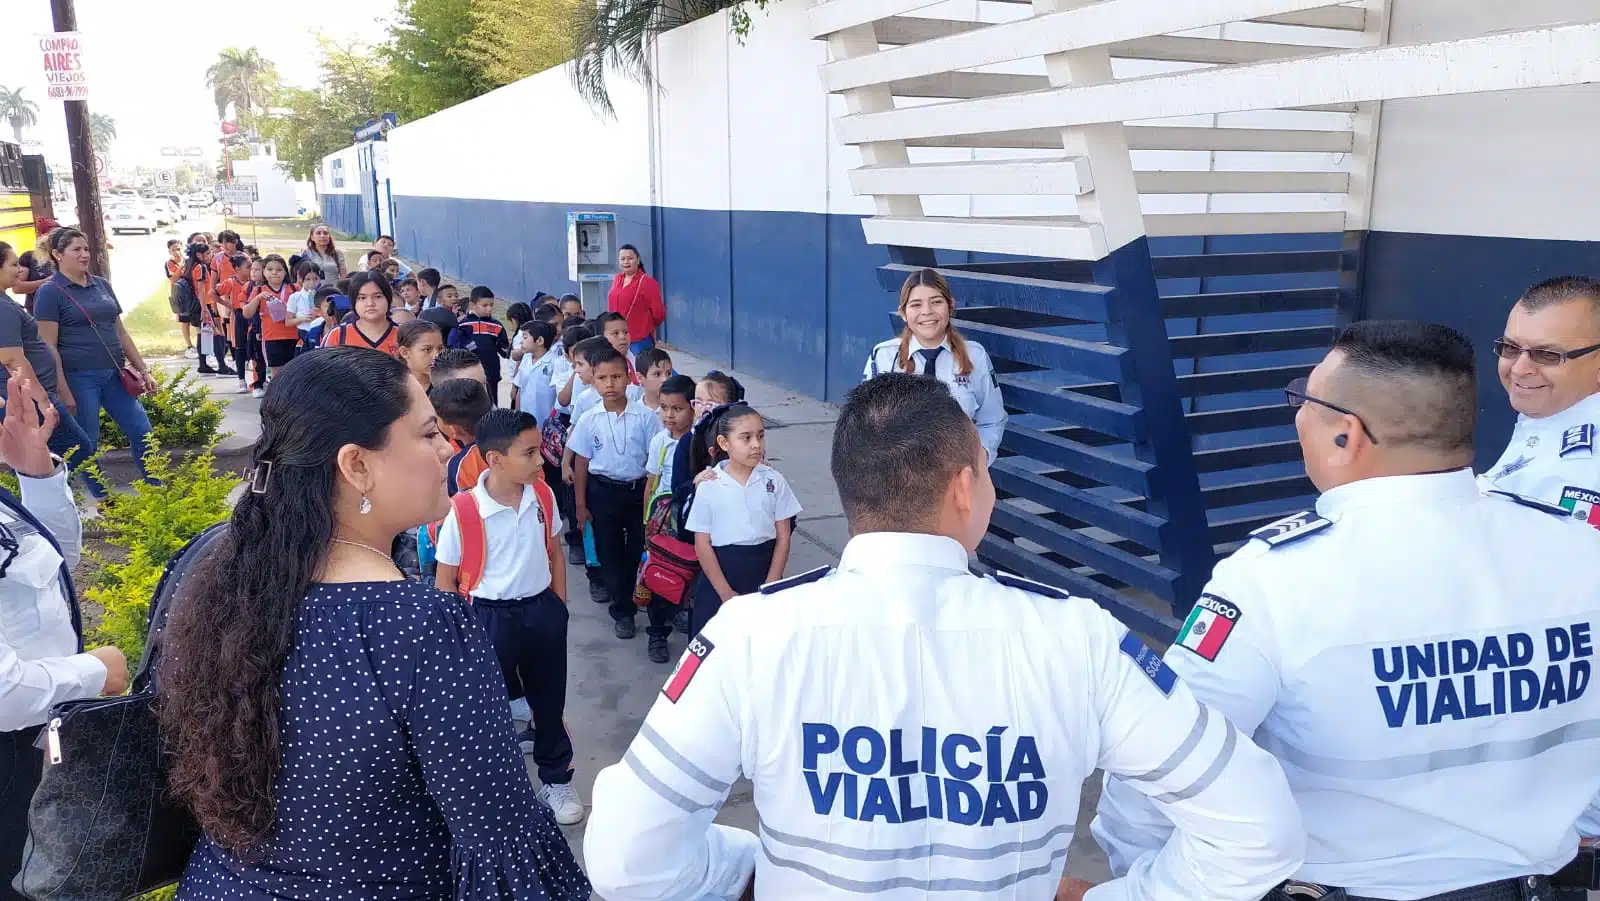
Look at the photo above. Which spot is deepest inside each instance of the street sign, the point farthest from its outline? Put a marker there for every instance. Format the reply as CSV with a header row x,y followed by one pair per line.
x,y
61,56
166,178
238,192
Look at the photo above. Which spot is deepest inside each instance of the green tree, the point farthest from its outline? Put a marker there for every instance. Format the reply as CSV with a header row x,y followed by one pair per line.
x,y
426,61
241,77
18,110
618,34
102,131
353,87
512,39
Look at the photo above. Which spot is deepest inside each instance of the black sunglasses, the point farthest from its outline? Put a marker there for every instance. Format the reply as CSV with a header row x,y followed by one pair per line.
x,y
1297,398
1505,350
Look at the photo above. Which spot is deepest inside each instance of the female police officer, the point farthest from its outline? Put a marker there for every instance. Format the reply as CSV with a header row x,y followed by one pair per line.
x,y
41,663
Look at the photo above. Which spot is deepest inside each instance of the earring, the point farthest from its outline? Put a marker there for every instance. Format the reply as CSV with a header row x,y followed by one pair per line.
x,y
1340,440
366,505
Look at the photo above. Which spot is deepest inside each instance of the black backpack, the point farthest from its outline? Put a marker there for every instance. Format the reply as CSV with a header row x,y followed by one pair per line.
x,y
185,301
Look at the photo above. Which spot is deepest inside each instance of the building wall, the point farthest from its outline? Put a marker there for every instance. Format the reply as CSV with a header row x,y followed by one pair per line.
x,y
338,183
1480,195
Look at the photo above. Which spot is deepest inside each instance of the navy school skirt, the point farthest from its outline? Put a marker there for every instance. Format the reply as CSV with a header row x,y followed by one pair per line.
x,y
744,566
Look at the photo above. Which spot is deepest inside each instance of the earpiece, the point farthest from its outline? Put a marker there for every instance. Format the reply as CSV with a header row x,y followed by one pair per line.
x,y
1341,440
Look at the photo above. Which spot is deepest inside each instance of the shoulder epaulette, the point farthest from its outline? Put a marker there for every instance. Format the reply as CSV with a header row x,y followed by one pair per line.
x,y
792,581
1049,591
1534,503
1578,438
1291,528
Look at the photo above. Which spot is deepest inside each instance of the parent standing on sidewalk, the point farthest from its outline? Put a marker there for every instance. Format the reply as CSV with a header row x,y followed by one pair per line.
x,y
41,663
81,319
23,354
320,249
637,297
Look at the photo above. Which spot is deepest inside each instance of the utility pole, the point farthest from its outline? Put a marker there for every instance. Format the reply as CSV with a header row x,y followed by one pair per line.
x,y
80,140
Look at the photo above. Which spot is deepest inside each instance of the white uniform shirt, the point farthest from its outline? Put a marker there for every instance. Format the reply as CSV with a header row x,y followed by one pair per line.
x,y
39,666
732,513
535,394
1415,776
1556,460
910,728
560,372
616,444
516,564
663,447
978,393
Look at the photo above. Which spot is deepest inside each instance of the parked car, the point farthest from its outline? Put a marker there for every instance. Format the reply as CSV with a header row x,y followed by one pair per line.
x,y
131,217
174,203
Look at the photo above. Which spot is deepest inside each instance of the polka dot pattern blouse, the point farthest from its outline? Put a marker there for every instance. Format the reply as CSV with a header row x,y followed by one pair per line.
x,y
401,775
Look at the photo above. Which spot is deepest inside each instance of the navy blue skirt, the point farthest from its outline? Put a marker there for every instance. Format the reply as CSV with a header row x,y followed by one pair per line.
x,y
744,566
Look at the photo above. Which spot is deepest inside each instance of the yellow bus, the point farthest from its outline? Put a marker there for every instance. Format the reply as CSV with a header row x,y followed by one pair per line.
x,y
20,204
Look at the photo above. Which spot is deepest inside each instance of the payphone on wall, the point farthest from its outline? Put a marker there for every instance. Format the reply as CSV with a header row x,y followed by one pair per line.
x,y
592,257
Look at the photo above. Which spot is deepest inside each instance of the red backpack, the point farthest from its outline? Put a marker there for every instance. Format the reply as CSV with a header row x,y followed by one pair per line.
x,y
475,539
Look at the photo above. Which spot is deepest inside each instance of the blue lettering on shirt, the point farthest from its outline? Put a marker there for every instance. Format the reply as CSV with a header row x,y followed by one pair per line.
x,y
1468,678
1149,663
907,775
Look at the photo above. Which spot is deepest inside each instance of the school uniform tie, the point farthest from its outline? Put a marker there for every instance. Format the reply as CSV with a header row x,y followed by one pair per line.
x,y
930,356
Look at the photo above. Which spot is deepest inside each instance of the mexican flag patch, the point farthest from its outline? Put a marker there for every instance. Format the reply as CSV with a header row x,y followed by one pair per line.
x,y
1584,505
1208,626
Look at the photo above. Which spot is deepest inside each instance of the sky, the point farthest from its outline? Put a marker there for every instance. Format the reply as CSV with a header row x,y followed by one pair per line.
x,y
146,60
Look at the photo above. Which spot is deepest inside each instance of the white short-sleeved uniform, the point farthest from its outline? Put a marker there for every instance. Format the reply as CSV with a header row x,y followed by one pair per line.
x,y
1417,655
560,372
1556,460
616,444
914,731
516,564
978,393
535,394
663,448
732,513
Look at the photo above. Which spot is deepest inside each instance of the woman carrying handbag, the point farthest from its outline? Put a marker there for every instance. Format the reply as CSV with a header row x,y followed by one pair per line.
x,y
636,296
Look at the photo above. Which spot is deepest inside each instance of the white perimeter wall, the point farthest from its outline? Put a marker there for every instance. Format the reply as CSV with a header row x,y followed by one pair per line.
x,y
1513,164
324,175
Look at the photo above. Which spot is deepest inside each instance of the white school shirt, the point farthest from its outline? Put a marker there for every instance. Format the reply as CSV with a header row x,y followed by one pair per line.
x,y
663,447
616,444
39,663
516,564
303,303
560,371
732,513
535,393
977,393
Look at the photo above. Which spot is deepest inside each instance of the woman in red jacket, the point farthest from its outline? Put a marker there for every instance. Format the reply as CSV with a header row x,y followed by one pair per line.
x,y
636,296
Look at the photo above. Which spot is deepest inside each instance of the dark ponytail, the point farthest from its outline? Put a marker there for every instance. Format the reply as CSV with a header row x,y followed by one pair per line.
x,y
224,649
703,449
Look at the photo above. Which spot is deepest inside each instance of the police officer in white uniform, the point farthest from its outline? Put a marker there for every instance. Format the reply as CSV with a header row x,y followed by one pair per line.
x,y
41,652
1417,653
1549,361
930,345
911,728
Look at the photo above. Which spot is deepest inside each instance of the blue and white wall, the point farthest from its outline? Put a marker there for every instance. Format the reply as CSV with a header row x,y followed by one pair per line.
x,y
730,183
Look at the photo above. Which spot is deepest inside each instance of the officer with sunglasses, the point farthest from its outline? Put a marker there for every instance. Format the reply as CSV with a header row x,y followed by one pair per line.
x,y
1549,362
41,649
1418,654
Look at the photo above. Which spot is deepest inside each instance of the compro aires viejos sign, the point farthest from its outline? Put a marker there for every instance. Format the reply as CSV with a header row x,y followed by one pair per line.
x,y
62,57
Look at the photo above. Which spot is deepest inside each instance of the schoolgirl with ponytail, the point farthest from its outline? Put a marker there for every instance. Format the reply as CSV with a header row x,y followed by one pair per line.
x,y
930,345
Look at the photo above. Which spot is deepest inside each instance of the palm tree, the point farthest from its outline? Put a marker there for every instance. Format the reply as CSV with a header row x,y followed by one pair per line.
x,y
18,110
102,131
618,34
240,77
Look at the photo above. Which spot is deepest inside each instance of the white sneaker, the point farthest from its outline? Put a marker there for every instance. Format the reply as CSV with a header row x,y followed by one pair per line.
x,y
564,802
244,388
191,353
258,392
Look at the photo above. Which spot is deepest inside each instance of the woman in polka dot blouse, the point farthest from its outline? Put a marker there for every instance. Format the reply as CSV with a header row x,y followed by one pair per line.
x,y
338,731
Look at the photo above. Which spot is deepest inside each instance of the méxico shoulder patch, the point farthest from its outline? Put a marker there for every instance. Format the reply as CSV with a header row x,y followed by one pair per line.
x,y
1581,504
1210,623
693,657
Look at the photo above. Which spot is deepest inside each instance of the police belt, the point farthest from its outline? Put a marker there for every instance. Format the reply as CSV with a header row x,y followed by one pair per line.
x,y
1571,881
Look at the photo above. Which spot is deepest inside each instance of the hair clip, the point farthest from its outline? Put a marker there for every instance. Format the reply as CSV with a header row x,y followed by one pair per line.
x,y
260,477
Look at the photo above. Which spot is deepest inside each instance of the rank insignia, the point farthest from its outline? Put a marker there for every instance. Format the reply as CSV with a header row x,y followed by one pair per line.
x,y
1291,528
1578,438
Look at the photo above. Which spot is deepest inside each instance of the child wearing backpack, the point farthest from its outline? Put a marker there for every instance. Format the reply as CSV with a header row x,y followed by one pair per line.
x,y
500,548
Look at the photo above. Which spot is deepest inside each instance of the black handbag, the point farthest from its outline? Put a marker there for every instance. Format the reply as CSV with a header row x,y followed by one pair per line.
x,y
101,827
